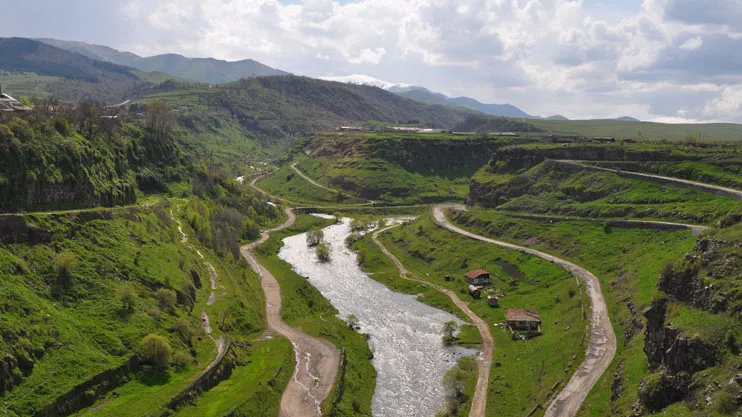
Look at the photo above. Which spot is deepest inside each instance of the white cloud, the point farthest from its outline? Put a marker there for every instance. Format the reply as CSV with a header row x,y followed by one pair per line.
x,y
692,44
666,59
369,56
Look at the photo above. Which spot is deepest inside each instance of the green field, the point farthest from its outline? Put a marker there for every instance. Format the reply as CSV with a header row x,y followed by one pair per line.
x,y
641,130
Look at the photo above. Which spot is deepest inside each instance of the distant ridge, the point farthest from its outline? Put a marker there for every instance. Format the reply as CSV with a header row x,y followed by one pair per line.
x,y
207,70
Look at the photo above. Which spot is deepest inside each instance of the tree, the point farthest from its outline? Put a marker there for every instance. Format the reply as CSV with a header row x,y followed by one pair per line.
x,y
352,321
323,252
66,262
183,327
166,299
453,383
449,332
155,350
160,120
314,237
127,296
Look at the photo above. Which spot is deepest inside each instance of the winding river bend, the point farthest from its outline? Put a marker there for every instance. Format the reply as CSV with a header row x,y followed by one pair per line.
x,y
405,334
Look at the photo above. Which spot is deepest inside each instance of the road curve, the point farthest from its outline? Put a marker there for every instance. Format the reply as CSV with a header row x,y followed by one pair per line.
x,y
484,361
317,360
601,347
731,192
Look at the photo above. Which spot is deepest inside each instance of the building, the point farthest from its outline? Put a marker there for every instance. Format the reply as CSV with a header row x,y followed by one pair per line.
x,y
478,277
475,292
523,319
9,104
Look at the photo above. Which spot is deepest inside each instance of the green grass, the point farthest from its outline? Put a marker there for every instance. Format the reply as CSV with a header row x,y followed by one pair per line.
x,y
527,369
305,308
628,263
288,184
546,190
641,130
25,84
254,389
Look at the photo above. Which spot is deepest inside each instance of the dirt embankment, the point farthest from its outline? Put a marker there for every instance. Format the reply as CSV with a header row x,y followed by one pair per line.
x,y
601,346
317,360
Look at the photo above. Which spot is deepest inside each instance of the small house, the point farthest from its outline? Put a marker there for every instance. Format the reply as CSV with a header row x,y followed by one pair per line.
x,y
523,319
478,277
493,301
475,292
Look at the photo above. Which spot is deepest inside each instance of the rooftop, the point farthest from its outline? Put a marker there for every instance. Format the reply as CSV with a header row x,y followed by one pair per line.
x,y
476,273
522,314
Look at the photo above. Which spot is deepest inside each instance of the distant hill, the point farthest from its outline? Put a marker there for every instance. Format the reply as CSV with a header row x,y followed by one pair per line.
x,y
627,119
65,74
207,70
426,96
628,129
98,52
490,124
556,117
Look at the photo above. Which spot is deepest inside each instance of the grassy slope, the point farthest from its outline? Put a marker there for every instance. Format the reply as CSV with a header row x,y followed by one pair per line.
x,y
288,184
628,263
91,335
305,308
646,130
527,369
600,195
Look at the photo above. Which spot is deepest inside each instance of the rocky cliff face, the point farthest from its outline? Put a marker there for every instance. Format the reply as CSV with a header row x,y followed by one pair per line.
x,y
673,358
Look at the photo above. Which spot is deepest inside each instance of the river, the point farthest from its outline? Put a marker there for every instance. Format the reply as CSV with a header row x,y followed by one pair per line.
x,y
405,334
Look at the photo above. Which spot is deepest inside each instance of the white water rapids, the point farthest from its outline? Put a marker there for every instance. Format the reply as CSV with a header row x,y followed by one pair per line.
x,y
406,335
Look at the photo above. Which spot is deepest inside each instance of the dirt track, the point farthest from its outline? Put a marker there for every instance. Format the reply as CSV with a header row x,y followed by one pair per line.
x,y
317,360
484,361
731,192
601,346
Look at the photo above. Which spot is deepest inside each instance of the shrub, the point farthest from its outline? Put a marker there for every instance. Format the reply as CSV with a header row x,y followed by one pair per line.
x,y
181,359
323,252
449,332
183,327
155,351
166,299
127,297
314,237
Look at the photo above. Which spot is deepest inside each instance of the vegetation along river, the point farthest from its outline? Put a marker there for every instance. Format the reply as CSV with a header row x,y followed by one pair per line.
x,y
405,334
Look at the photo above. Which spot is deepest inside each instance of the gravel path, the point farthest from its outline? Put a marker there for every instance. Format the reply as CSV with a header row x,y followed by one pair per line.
x,y
317,360
601,347
484,361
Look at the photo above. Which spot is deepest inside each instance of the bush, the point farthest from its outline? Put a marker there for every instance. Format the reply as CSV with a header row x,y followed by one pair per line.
x,y
155,351
449,332
127,296
181,359
725,402
166,299
323,252
314,237
183,327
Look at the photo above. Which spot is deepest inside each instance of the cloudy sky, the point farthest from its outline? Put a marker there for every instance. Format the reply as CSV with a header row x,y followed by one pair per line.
x,y
663,60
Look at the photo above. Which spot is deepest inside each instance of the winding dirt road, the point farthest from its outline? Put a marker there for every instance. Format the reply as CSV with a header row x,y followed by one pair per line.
x,y
317,360
484,361
731,192
601,346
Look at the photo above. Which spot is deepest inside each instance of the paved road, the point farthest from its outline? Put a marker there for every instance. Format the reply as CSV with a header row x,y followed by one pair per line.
x,y
601,347
317,360
731,192
484,361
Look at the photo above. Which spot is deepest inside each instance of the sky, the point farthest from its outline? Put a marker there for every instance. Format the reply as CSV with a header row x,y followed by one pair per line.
x,y
659,60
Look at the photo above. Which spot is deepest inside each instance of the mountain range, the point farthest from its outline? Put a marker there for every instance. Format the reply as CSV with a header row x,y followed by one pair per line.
x,y
207,70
